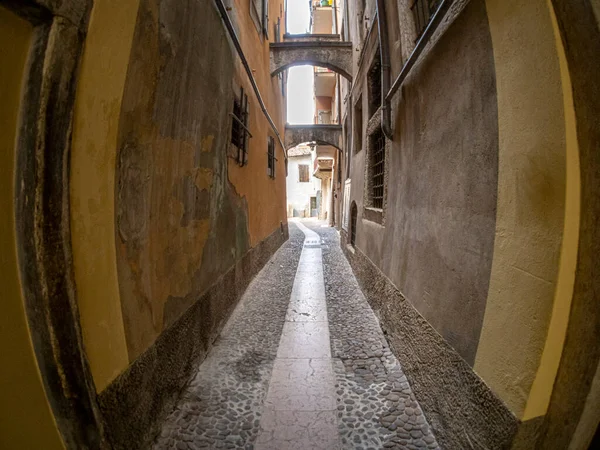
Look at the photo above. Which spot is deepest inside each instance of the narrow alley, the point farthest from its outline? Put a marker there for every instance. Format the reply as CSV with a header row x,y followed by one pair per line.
x,y
301,364
300,224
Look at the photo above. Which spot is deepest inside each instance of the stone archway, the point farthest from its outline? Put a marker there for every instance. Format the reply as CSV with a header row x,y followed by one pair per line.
x,y
321,134
333,55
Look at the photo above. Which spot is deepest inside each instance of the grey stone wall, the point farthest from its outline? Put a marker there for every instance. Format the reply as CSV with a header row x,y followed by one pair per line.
x,y
437,241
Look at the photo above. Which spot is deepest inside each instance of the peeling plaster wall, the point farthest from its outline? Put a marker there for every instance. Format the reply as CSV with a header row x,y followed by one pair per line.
x,y
160,211
266,197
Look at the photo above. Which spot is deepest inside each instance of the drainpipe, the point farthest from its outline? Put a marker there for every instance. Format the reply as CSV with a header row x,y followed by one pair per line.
x,y
384,52
335,19
236,43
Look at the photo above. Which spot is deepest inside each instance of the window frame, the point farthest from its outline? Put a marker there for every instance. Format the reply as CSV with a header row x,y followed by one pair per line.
x,y
239,125
259,11
271,159
307,166
377,163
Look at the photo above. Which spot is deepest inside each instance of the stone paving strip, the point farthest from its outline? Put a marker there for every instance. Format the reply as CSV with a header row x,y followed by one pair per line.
x,y
376,407
222,406
300,406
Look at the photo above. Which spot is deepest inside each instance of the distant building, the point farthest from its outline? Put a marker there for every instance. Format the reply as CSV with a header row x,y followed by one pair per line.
x,y
303,190
324,22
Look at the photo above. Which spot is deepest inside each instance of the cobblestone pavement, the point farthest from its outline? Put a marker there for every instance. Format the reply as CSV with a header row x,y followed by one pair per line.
x,y
222,406
229,403
376,407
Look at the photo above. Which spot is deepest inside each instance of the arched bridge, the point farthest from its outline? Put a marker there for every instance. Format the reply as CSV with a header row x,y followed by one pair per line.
x,y
334,55
321,134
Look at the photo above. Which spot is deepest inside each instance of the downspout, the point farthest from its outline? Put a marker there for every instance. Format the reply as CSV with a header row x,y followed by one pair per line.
x,y
240,51
384,52
335,18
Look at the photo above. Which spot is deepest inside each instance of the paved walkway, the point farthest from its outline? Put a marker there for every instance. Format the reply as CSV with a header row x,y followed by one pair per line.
x,y
301,364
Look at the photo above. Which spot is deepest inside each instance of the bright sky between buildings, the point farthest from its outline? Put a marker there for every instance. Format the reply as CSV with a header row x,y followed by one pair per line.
x,y
300,101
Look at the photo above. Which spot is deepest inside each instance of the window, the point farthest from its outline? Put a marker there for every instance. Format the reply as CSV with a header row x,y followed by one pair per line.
x,y
374,83
239,128
347,150
271,157
353,217
377,168
303,176
358,125
423,11
259,11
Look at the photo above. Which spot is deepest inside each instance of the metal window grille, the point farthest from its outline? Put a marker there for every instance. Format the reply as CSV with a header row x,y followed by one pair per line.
x,y
303,175
423,10
353,217
271,157
377,167
374,82
239,128
358,125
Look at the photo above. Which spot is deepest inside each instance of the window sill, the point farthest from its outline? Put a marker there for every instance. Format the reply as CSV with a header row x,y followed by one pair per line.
x,y
373,214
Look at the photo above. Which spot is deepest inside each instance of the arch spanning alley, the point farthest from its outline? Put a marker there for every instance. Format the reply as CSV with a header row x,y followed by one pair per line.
x,y
333,55
321,134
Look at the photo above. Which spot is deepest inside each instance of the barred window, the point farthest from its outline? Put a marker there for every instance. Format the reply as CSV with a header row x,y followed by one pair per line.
x,y
374,84
239,128
377,167
358,125
271,157
303,176
353,219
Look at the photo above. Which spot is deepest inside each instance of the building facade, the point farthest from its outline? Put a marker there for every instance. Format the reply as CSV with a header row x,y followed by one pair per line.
x,y
466,204
303,190
150,134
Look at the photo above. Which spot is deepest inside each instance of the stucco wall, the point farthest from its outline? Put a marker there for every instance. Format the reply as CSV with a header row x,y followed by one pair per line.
x,y
483,193
442,183
160,210
298,194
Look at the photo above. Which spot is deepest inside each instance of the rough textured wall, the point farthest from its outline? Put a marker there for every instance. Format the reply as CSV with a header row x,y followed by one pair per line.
x,y
180,223
265,197
442,184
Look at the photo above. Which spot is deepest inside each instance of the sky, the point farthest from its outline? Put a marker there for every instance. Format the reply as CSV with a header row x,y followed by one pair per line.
x,y
300,101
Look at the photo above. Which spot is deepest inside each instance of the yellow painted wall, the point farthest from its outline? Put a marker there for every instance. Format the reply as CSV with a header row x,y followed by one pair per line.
x,y
541,390
95,140
26,421
531,280
266,197
95,127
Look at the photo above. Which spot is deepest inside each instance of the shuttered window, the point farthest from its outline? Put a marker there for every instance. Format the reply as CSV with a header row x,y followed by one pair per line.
x,y
303,176
239,128
259,10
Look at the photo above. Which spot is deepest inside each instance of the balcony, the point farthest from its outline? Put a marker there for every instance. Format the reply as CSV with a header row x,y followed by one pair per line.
x,y
322,17
324,82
